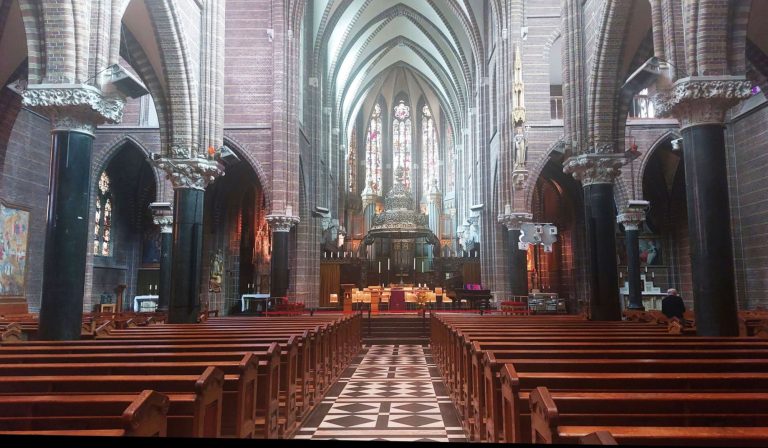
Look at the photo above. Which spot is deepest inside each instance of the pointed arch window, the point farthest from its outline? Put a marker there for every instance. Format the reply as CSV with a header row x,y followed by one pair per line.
x,y
352,162
430,154
102,231
373,147
401,140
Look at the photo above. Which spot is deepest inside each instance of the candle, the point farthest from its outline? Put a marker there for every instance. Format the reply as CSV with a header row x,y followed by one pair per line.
x,y
414,264
379,267
387,263
422,265
653,275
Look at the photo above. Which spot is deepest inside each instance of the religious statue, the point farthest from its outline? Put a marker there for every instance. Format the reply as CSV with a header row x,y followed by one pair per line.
x,y
520,150
217,272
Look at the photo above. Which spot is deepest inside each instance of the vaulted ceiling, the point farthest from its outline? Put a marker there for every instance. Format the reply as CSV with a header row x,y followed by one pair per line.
x,y
359,45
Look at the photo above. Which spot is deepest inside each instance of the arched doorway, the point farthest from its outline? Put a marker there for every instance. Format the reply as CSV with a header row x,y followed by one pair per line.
x,y
557,200
666,228
125,242
236,241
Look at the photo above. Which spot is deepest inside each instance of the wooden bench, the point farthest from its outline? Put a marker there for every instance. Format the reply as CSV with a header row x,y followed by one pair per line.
x,y
731,419
142,415
195,400
252,373
239,399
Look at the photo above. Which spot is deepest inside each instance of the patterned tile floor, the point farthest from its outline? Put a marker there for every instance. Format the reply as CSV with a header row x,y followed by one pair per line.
x,y
390,392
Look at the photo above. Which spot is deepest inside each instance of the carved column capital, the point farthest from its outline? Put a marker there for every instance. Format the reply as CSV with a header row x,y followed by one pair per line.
x,y
282,223
595,168
193,173
73,107
513,221
165,223
633,215
701,100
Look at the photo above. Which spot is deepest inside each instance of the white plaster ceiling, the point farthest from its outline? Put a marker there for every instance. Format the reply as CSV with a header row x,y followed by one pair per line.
x,y
139,23
431,43
13,43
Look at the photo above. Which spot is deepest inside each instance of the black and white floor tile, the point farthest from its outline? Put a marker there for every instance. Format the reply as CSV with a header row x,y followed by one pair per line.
x,y
390,392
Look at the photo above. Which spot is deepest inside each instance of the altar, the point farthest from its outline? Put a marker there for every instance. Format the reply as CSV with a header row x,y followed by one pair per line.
x,y
262,302
145,304
397,300
651,294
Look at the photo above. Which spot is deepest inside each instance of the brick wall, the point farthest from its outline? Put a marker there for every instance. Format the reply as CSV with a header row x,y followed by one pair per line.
x,y
748,163
24,182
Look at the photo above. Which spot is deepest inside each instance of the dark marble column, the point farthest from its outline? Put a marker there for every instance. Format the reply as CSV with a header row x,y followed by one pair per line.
x,y
281,231
190,177
700,104
518,259
163,217
597,172
632,218
184,304
74,110
709,230
66,236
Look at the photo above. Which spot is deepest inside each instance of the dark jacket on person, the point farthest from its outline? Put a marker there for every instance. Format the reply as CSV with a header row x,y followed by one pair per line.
x,y
673,306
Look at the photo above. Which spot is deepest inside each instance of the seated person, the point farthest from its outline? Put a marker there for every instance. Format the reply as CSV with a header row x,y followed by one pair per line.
x,y
672,305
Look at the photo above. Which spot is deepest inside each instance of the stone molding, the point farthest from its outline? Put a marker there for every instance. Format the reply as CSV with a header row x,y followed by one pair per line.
x,y
632,219
519,176
73,107
595,168
165,222
282,223
193,173
513,221
701,100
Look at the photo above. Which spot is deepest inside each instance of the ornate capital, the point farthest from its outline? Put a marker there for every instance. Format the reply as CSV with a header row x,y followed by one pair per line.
x,y
595,168
165,222
702,99
282,223
633,215
73,107
513,221
195,173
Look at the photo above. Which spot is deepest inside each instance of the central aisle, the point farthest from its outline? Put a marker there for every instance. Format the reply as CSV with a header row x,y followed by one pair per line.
x,y
390,392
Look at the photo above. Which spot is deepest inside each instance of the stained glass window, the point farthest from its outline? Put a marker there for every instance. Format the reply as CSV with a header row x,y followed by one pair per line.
x,y
401,140
352,162
429,150
373,146
102,231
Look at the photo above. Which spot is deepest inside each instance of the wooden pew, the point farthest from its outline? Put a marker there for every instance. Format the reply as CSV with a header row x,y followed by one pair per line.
x,y
142,415
262,367
239,399
195,400
670,418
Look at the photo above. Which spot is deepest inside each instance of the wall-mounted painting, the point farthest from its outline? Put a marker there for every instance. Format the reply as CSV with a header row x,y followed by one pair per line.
x,y
150,247
14,235
650,251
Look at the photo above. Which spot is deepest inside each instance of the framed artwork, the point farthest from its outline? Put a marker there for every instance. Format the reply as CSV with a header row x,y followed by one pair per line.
x,y
150,247
14,238
650,252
